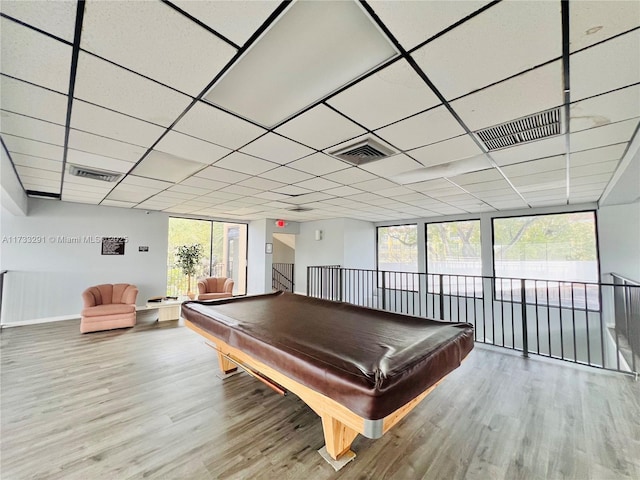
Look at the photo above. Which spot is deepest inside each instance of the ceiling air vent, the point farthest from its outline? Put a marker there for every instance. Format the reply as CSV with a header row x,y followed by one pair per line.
x,y
525,129
364,151
299,209
94,174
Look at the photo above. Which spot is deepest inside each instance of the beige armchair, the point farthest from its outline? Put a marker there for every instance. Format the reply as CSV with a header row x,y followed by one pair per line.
x,y
212,288
108,306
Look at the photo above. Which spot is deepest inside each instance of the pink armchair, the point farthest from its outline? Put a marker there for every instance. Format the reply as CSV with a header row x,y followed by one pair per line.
x,y
212,288
108,306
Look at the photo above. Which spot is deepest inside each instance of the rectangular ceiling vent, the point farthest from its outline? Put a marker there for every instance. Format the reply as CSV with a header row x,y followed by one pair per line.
x,y
363,151
526,129
94,174
299,209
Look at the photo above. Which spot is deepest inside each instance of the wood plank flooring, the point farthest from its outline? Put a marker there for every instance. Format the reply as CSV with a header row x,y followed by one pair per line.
x,y
146,403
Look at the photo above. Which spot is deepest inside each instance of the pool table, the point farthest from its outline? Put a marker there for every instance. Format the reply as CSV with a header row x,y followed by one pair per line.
x,y
360,369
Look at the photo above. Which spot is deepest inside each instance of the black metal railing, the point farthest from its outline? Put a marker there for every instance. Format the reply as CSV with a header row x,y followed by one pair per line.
x,y
572,321
282,276
626,308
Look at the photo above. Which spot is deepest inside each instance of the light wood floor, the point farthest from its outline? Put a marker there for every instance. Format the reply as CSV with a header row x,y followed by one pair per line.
x,y
145,403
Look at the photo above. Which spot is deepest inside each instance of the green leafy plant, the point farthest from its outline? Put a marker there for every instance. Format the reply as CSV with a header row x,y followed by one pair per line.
x,y
187,258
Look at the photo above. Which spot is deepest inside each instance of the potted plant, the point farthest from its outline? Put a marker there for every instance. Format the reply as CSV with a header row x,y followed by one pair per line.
x,y
188,257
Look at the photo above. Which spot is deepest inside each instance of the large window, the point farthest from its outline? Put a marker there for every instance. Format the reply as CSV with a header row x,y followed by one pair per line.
x,y
552,252
398,257
225,253
546,247
398,248
453,249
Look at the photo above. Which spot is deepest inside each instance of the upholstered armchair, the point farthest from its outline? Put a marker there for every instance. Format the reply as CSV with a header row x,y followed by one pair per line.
x,y
212,288
108,306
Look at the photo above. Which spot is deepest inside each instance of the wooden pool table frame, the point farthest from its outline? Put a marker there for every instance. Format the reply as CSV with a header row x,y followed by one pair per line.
x,y
340,425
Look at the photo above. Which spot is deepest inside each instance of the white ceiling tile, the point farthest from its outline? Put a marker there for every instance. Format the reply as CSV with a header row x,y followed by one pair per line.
x,y
488,175
597,155
26,99
592,22
286,175
601,136
466,165
245,164
50,188
260,183
88,142
31,128
319,164
448,151
57,18
593,169
77,157
36,162
547,147
396,192
163,166
513,99
527,168
34,57
291,190
492,46
222,175
320,128
145,182
240,190
414,22
118,203
423,129
388,167
173,196
191,191
113,87
590,188
612,64
609,108
276,149
153,39
342,191
308,198
318,184
214,125
123,195
191,148
116,126
389,95
31,147
349,176
590,179
38,173
203,183
544,181
374,185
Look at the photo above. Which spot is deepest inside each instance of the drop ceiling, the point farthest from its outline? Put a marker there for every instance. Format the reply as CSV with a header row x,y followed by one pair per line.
x,y
229,109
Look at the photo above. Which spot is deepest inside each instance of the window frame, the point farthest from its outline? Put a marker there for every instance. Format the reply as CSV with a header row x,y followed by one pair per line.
x,y
379,272
475,293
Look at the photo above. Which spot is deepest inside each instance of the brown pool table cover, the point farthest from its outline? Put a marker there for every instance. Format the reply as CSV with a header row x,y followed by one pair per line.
x,y
371,361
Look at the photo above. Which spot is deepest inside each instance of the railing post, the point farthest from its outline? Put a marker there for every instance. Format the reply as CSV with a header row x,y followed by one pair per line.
x,y
340,283
441,295
384,292
525,333
308,281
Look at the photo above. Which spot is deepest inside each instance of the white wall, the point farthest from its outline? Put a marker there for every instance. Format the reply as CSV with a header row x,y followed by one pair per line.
x,y
47,279
12,195
619,240
283,253
359,244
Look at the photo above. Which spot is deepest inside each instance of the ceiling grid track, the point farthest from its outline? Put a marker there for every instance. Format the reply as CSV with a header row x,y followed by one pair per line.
x,y
72,84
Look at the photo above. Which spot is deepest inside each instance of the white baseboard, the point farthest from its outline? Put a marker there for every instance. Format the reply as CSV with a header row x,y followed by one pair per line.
x,y
36,321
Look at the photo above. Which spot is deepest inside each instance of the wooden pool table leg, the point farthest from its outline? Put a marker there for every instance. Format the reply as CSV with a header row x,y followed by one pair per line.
x,y
337,436
225,364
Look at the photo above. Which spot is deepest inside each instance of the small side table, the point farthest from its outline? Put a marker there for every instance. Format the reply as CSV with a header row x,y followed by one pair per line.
x,y
167,309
